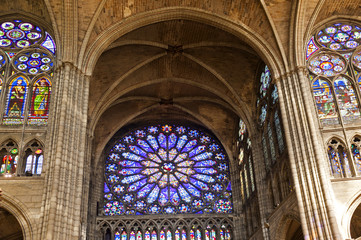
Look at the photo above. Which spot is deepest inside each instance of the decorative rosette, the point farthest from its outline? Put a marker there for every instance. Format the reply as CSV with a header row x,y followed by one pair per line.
x,y
31,62
167,169
339,36
327,65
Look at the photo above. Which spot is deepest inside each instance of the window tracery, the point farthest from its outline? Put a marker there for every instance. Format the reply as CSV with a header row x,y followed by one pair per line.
x,y
269,120
27,54
247,180
339,159
333,58
167,169
33,159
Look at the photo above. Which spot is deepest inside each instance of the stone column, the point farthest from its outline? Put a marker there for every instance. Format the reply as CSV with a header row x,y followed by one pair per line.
x,y
64,167
261,183
306,156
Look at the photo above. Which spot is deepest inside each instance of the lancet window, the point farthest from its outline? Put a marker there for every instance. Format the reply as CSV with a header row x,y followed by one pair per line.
x,y
339,159
9,158
166,170
334,66
272,139
250,206
269,119
33,159
27,61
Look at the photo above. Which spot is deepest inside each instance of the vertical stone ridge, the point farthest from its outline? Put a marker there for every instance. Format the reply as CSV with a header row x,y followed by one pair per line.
x,y
311,193
65,171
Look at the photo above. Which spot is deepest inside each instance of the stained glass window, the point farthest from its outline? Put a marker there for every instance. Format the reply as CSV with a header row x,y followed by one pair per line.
x,y
340,36
265,152
357,156
347,102
339,161
274,95
33,159
9,158
324,101
271,143
262,116
341,40
39,108
167,169
311,48
17,94
253,188
242,130
265,81
279,132
327,65
26,51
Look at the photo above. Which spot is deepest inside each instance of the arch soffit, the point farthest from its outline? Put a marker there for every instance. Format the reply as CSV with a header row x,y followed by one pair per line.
x,y
335,137
285,222
351,206
101,146
20,212
117,30
32,140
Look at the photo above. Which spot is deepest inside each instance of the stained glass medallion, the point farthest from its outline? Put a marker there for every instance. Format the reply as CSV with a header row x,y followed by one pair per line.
x,y
31,62
167,169
340,37
327,65
19,34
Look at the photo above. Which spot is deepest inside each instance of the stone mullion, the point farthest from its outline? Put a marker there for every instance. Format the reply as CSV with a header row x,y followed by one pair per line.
x,y
320,157
260,176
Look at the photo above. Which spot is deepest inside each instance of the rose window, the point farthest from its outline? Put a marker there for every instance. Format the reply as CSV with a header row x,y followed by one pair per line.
x,y
167,169
19,34
327,65
31,62
340,37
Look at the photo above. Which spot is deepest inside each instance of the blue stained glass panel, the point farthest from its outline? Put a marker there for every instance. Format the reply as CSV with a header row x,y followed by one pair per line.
x,y
357,157
166,169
